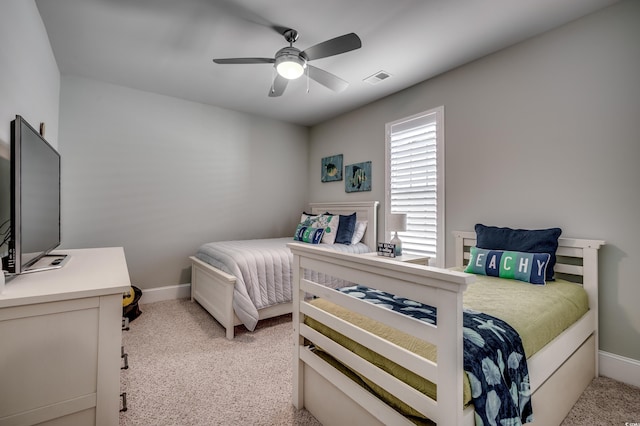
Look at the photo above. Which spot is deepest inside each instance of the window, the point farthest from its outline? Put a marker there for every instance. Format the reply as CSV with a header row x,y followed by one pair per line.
x,y
415,181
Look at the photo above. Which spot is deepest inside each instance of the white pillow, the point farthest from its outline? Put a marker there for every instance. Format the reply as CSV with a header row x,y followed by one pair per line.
x,y
331,223
361,226
309,216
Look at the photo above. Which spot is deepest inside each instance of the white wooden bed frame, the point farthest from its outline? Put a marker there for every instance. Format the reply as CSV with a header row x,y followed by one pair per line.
x,y
213,288
559,372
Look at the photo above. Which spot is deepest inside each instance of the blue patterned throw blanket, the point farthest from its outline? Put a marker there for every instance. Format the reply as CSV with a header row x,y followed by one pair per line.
x,y
493,358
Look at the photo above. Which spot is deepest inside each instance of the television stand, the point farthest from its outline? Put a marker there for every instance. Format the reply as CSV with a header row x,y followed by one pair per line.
x,y
48,262
61,339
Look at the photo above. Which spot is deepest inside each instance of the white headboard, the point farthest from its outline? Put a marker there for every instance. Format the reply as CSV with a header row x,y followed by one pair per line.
x,y
365,210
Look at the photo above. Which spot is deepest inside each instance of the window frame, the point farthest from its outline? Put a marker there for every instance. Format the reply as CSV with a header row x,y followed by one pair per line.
x,y
440,183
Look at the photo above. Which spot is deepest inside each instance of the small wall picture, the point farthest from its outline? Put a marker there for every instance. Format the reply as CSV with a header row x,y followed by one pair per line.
x,y
332,168
357,177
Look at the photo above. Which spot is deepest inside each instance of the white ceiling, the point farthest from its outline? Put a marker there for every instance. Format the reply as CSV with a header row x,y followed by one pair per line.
x,y
167,46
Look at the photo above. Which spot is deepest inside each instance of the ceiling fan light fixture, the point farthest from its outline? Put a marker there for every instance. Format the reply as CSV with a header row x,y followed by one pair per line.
x,y
290,66
290,62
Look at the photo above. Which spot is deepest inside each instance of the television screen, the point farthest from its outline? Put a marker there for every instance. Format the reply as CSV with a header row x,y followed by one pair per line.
x,y
35,196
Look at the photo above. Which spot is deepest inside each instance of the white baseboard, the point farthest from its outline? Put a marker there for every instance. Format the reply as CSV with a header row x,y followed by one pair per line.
x,y
622,369
158,294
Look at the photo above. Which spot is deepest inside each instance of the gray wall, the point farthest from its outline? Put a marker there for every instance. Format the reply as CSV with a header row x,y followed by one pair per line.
x,y
160,176
29,82
546,133
29,76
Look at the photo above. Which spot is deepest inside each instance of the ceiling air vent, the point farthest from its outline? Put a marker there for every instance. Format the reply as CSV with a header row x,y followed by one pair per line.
x,y
377,77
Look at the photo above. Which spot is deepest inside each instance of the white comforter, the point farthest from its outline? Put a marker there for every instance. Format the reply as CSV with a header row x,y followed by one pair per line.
x,y
263,269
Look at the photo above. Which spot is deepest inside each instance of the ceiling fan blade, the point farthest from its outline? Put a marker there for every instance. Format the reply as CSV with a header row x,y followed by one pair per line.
x,y
335,46
327,79
279,84
279,29
233,8
245,61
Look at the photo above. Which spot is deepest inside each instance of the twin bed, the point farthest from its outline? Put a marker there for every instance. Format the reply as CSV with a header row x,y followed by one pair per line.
x,y
349,369
242,282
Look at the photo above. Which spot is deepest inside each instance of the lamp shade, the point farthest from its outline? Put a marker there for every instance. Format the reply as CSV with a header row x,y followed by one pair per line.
x,y
290,66
397,222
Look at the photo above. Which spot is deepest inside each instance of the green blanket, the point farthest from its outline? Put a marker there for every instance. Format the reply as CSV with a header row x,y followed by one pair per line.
x,y
537,313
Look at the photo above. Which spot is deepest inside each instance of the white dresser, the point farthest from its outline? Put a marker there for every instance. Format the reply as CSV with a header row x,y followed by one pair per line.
x,y
60,342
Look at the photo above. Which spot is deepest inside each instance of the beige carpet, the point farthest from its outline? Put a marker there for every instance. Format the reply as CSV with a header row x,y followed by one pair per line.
x,y
606,402
182,371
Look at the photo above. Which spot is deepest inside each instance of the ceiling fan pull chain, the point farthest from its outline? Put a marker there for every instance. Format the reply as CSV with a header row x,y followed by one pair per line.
x,y
273,79
307,70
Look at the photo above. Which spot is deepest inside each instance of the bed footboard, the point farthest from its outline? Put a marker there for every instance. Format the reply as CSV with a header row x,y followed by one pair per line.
x,y
436,287
213,289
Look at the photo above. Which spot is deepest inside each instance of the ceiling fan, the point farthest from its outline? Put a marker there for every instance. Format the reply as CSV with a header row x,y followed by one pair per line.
x,y
290,62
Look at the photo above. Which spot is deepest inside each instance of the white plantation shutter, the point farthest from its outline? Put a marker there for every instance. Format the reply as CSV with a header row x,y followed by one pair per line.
x,y
415,165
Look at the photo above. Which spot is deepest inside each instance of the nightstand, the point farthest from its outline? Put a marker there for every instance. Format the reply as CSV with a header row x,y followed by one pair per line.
x,y
410,258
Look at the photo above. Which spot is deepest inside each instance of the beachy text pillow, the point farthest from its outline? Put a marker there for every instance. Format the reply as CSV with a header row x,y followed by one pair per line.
x,y
514,265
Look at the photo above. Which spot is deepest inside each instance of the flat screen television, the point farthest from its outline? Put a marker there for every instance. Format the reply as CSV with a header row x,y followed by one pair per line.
x,y
35,198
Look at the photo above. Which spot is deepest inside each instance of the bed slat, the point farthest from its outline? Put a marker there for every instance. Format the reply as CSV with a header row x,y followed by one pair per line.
x,y
419,401
397,354
366,400
418,329
569,269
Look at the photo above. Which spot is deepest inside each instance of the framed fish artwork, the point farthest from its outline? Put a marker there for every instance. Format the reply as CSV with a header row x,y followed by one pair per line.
x,y
357,177
332,168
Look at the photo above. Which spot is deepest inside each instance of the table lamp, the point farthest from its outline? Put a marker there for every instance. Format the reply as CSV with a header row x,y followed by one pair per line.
x,y
397,223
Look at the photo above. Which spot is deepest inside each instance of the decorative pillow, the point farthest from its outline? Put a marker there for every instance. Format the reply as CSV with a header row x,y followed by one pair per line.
x,y
308,216
327,221
308,234
361,226
526,240
346,228
513,265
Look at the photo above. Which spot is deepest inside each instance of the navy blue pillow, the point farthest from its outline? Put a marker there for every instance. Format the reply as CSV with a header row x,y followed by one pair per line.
x,y
346,228
526,240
